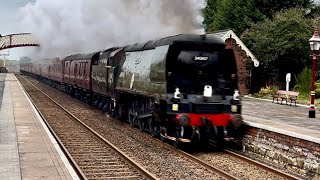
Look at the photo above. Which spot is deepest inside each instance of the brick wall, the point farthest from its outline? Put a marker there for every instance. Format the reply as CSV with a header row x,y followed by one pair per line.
x,y
241,59
296,155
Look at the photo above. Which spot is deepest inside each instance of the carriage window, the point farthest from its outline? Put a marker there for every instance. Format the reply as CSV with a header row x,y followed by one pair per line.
x,y
82,68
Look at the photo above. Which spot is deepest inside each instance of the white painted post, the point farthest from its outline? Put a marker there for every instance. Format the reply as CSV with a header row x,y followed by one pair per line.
x,y
288,79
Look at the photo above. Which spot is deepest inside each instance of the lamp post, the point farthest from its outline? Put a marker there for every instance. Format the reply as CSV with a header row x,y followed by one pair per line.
x,y
314,45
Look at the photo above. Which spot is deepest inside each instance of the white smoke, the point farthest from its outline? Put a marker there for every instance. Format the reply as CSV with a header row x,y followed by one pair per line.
x,y
64,27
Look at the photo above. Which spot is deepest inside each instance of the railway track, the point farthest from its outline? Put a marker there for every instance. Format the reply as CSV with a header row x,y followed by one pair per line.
x,y
240,159
92,156
216,169
259,165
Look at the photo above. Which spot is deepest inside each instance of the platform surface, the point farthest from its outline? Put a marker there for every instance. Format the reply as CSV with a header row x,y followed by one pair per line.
x,y
284,119
27,151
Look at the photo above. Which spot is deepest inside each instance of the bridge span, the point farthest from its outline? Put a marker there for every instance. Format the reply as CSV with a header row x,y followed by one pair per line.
x,y
17,40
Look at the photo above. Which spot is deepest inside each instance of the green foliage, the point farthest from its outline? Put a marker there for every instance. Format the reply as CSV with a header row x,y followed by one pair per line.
x,y
305,99
276,31
281,44
289,31
237,15
317,90
303,81
266,92
270,7
209,12
314,12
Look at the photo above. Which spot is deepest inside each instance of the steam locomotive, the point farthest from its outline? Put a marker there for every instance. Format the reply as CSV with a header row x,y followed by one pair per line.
x,y
180,88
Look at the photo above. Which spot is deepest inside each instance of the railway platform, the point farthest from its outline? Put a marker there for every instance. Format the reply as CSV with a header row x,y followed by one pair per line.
x,y
292,121
283,136
27,149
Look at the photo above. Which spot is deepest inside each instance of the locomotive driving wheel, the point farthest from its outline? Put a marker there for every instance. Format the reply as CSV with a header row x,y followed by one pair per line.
x,y
131,118
153,127
176,143
163,133
141,124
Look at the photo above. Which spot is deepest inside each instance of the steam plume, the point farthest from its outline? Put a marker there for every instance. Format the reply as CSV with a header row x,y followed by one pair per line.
x,y
64,27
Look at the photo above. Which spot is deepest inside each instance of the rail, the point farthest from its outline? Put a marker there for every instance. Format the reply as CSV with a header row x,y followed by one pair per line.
x,y
130,161
260,165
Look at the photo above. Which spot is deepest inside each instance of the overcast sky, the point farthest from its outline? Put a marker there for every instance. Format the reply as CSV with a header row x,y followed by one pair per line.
x,y
10,17
64,27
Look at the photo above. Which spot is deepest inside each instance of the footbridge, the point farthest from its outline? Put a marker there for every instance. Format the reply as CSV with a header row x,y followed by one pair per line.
x,y
17,40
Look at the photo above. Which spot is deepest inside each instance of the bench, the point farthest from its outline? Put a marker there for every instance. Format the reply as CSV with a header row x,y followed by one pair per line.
x,y
286,96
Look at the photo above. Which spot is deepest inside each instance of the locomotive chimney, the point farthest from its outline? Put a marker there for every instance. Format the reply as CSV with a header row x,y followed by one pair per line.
x,y
203,37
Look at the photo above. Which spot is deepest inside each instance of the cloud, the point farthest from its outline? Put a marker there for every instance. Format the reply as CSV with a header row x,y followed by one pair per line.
x,y
64,27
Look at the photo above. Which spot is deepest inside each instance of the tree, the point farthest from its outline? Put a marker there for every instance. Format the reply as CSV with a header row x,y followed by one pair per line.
x,y
281,44
237,15
314,12
209,12
270,7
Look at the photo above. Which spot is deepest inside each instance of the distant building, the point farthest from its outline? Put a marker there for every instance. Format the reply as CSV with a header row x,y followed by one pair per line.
x,y
11,66
2,63
244,57
3,68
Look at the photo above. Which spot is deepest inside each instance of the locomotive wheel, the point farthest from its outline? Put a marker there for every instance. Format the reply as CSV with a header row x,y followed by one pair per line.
x,y
177,143
153,129
141,124
150,127
162,138
162,134
130,118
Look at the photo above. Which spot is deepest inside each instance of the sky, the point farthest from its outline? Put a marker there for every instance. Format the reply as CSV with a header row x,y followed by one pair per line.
x,y
65,27
46,18
9,18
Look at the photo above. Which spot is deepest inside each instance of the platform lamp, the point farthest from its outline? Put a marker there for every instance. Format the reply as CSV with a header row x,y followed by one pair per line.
x,y
314,45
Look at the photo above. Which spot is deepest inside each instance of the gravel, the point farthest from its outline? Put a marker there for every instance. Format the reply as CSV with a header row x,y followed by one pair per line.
x,y
156,158
237,167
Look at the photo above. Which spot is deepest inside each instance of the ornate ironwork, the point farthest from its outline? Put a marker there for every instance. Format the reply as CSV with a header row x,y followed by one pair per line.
x,y
17,40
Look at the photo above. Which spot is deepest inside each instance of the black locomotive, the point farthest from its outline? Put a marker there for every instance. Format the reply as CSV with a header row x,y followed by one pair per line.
x,y
182,88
